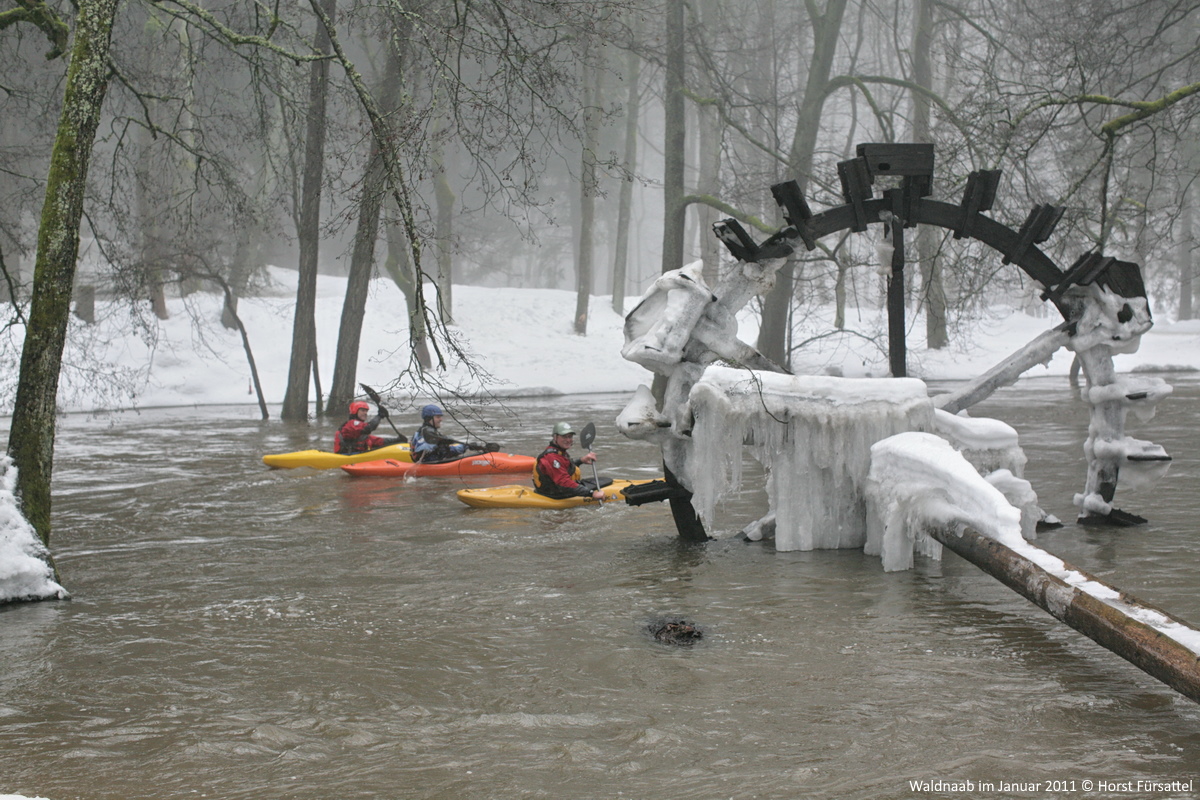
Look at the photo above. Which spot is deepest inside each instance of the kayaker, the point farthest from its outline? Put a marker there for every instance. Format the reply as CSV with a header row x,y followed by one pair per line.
x,y
428,444
357,434
556,474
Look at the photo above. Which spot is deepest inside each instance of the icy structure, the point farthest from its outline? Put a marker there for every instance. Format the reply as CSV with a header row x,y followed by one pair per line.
x,y
988,444
813,434
1106,323
917,481
24,572
990,447
878,464
680,320
678,328
1112,324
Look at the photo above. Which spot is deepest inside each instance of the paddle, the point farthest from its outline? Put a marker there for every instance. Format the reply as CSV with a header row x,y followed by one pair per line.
x,y
587,436
378,401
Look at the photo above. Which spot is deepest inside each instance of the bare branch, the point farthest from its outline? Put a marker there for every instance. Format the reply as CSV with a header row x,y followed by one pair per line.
x,y
45,18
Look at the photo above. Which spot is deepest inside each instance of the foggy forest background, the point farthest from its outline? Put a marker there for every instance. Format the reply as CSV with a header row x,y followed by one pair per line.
x,y
587,146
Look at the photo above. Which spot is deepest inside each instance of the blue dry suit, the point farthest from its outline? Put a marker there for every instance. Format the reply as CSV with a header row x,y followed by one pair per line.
x,y
429,447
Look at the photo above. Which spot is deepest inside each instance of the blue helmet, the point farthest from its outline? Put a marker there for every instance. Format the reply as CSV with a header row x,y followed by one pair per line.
x,y
431,411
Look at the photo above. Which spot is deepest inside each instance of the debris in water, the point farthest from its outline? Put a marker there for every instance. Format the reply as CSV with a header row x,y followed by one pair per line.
x,y
676,632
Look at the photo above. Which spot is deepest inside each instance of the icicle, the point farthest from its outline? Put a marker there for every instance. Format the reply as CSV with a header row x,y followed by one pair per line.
x,y
884,249
812,433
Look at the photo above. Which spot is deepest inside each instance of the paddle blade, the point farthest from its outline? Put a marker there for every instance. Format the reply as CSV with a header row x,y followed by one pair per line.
x,y
371,393
588,435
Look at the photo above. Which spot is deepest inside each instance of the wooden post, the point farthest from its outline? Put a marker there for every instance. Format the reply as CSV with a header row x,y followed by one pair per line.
x,y
1147,648
897,351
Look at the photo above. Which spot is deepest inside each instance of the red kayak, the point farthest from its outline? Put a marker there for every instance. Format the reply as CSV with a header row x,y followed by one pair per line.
x,y
473,464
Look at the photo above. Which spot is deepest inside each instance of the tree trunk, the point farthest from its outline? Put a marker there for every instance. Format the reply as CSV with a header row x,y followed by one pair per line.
x,y
358,283
1186,259
31,435
399,267
587,199
9,281
444,232
774,333
304,329
239,276
230,312
709,131
362,260
839,297
149,187
1120,631
674,212
625,199
933,290
248,253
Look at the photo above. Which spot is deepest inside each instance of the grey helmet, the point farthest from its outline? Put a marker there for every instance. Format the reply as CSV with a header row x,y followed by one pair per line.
x,y
563,429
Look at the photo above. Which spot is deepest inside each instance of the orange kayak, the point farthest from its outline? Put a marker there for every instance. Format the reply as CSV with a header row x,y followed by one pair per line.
x,y
473,464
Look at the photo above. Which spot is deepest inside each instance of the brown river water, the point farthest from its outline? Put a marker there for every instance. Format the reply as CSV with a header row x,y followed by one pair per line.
x,y
241,632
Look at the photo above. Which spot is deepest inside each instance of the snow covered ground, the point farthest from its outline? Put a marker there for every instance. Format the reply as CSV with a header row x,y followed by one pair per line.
x,y
523,338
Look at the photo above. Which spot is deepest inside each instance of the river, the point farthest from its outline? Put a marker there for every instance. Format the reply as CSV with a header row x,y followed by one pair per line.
x,y
241,632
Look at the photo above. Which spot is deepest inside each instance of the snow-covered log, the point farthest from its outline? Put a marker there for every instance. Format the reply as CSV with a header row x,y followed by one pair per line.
x,y
1039,351
1151,639
922,496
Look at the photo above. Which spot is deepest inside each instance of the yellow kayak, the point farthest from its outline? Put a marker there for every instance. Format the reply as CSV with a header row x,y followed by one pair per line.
x,y
323,459
516,496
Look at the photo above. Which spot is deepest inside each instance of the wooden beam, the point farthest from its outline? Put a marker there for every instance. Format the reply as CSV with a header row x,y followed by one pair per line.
x,y
1106,623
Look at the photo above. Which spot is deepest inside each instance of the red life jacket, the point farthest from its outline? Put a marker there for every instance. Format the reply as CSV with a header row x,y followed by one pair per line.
x,y
355,437
555,474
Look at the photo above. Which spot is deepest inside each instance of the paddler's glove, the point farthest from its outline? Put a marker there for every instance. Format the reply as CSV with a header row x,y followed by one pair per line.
x,y
383,412
490,447
476,446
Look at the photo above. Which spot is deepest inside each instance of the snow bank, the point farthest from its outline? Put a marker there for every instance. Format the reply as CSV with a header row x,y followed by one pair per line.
x,y
24,573
523,338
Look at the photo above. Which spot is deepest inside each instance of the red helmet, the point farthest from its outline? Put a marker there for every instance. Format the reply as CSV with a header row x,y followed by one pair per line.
x,y
359,405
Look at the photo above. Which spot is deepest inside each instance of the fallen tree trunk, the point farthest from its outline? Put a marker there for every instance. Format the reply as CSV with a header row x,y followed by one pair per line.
x,y
1114,624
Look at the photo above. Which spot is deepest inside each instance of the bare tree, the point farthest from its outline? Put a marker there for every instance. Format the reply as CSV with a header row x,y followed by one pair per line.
x,y
362,261
773,335
304,326
588,187
1186,255
31,435
675,138
933,294
633,63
